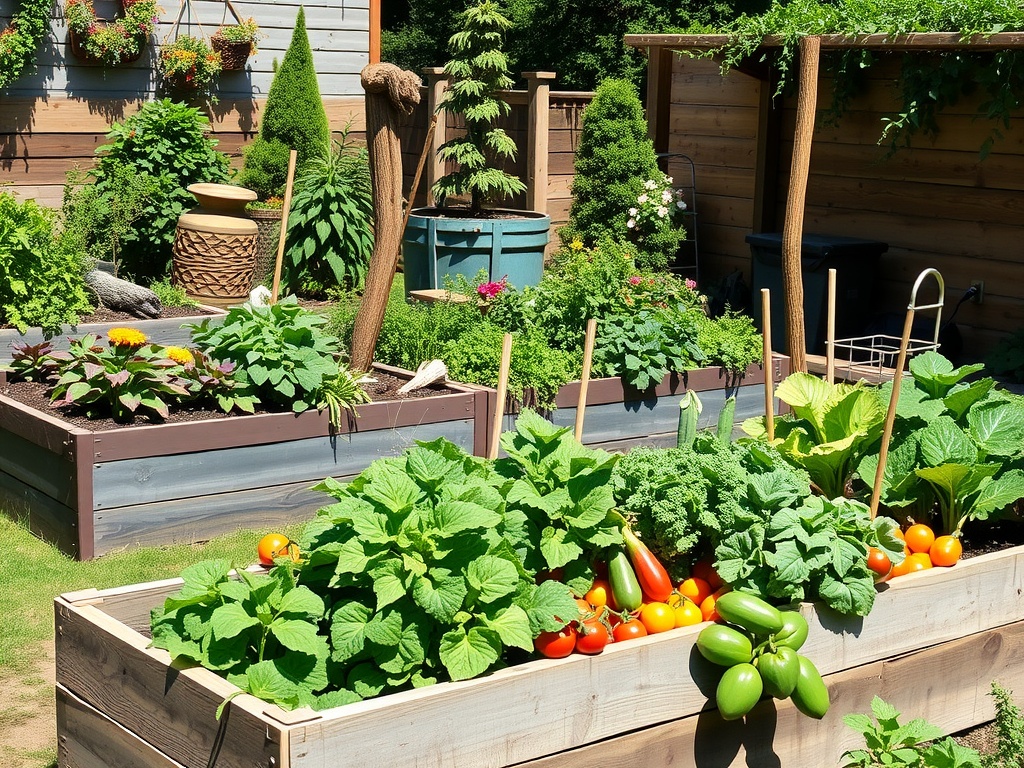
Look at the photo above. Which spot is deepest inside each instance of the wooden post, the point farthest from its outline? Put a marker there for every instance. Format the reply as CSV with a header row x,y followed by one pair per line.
x,y
374,32
391,96
437,83
538,123
659,94
282,234
792,232
499,405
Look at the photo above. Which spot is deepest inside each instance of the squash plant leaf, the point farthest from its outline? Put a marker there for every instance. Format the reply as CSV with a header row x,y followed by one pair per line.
x,y
468,653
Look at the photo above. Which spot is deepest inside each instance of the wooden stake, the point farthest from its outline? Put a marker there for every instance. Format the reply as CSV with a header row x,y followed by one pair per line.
x,y
769,368
499,406
830,331
283,234
417,176
890,416
588,356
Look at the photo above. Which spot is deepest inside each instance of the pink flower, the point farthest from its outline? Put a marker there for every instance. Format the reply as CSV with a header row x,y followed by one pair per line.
x,y
691,284
492,290
635,280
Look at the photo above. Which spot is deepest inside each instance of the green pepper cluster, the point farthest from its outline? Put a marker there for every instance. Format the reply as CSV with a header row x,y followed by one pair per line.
x,y
759,648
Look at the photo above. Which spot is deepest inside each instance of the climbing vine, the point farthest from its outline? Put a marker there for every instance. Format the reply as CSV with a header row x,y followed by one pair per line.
x,y
930,81
20,40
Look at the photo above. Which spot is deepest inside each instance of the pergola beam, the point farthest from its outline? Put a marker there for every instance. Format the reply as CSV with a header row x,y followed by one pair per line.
x,y
916,41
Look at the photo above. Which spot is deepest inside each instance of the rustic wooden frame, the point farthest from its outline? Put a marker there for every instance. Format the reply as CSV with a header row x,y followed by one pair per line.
x,y
932,645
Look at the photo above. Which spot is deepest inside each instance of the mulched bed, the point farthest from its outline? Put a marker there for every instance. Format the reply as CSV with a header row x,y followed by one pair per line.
x,y
36,395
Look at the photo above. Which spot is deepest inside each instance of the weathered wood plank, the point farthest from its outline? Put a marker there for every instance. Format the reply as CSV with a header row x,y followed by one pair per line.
x,y
90,739
50,474
108,666
131,482
48,519
200,518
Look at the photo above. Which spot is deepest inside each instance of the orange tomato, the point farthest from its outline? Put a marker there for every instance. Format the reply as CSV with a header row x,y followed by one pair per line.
x,y
687,613
920,561
705,569
599,594
919,537
707,608
276,545
901,568
898,533
695,588
945,551
879,562
657,617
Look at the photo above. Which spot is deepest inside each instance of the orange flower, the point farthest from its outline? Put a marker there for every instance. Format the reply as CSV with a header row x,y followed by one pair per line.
x,y
126,337
180,355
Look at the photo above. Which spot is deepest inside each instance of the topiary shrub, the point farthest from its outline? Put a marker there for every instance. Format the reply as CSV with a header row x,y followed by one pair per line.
x,y
165,142
41,282
294,118
614,161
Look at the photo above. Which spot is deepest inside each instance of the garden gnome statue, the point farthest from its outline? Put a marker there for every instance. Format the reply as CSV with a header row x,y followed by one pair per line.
x,y
391,96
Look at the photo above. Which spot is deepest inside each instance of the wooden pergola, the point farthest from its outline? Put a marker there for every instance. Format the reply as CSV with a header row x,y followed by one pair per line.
x,y
662,48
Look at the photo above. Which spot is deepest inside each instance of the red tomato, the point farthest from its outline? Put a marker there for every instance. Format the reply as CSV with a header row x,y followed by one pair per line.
x,y
592,637
556,645
705,569
879,562
629,630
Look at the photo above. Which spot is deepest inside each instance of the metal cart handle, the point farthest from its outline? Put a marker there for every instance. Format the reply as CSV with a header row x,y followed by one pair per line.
x,y
936,306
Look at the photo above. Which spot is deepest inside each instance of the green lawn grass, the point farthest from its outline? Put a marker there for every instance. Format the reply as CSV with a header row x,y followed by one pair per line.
x,y
33,572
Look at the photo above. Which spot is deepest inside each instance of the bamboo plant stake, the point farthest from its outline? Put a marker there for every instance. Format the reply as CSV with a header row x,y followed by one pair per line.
x,y
890,416
830,330
766,341
283,234
588,357
499,406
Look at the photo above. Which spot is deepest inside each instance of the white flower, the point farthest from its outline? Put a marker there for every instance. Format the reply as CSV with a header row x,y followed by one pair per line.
x,y
633,212
642,199
666,197
530,303
668,180
650,184
662,211
631,223
680,205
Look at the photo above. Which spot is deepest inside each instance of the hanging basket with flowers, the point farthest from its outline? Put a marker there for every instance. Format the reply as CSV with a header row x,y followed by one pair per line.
x,y
188,66
113,42
236,42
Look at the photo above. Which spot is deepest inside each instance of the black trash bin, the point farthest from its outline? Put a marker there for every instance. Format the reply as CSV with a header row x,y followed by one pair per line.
x,y
856,265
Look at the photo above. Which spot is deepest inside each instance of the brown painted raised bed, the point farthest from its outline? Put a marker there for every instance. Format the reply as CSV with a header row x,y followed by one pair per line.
x,y
620,416
90,492
931,646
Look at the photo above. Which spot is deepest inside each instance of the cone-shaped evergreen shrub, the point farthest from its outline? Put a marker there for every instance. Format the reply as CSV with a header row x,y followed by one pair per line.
x,y
294,118
615,159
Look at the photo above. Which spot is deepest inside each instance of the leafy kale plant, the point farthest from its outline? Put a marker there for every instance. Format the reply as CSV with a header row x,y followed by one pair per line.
x,y
916,744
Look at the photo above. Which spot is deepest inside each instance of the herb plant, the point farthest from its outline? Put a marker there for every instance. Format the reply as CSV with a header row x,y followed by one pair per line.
x,y
643,346
477,72
916,744
330,229
41,281
281,352
1009,752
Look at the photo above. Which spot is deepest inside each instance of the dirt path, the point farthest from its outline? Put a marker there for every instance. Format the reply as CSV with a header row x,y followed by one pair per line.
x,y
28,728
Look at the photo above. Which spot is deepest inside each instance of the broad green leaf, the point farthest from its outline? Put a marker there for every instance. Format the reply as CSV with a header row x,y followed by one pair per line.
x,y
302,601
806,395
230,619
389,581
943,442
557,548
999,493
408,654
492,578
338,698
513,627
451,517
998,428
550,606
309,673
790,564
299,636
392,488
371,525
367,680
935,374
266,682
348,630
961,398
469,654
440,594
385,628
851,595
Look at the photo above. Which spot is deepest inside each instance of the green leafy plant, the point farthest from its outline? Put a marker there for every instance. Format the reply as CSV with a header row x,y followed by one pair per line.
x,y
293,118
166,142
916,744
31,362
281,352
1009,751
124,378
613,161
21,38
188,66
730,341
246,31
1006,358
330,229
817,550
832,427
643,346
341,392
171,295
211,381
41,280
111,42
477,71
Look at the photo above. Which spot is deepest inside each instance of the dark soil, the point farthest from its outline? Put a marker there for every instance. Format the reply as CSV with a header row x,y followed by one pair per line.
x,y
983,537
104,315
36,395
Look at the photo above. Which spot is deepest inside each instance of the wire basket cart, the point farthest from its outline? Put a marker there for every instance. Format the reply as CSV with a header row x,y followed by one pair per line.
x,y
874,357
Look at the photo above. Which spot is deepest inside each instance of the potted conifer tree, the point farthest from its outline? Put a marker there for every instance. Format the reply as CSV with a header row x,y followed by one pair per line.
x,y
466,237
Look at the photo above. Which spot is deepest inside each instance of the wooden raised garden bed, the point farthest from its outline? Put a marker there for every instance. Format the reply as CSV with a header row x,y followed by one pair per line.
x,y
90,492
931,646
619,416
167,331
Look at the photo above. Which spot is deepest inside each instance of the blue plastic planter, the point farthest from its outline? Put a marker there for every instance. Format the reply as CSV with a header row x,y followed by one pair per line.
x,y
510,245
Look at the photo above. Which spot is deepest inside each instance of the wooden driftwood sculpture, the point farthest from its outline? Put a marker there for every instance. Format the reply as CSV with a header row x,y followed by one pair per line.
x,y
122,296
391,96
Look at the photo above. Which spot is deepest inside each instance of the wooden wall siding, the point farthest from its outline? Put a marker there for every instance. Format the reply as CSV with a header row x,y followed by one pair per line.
x,y
937,204
53,119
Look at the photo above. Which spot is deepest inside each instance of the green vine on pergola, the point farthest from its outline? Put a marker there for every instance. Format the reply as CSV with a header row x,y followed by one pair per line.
x,y
930,79
20,40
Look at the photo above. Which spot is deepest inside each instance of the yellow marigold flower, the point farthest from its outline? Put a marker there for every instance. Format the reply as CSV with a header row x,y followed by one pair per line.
x,y
180,355
126,337
576,244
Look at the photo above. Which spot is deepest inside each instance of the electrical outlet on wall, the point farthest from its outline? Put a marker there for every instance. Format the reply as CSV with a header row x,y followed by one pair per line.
x,y
979,292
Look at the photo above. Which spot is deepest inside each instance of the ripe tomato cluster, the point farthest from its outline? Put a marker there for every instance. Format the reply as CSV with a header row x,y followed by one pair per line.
x,y
922,550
